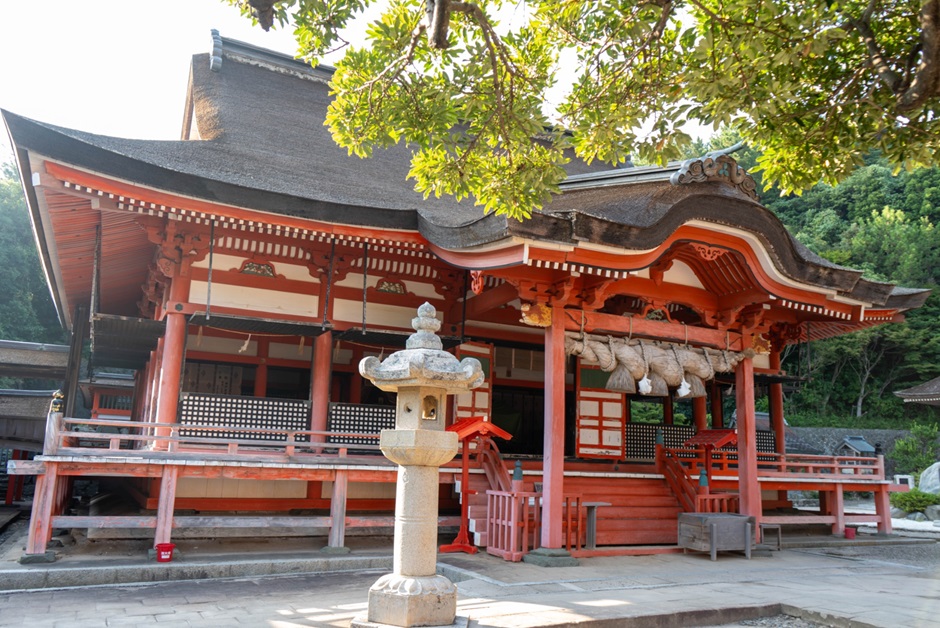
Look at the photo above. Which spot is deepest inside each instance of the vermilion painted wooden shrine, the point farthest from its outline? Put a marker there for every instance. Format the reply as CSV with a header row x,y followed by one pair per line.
x,y
243,271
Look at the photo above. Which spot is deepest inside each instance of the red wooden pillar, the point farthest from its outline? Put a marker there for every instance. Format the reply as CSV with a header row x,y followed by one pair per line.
x,y
165,505
337,539
836,505
153,369
169,384
883,509
668,413
700,413
12,480
174,340
320,384
775,393
748,485
776,407
553,463
718,419
261,371
44,505
355,385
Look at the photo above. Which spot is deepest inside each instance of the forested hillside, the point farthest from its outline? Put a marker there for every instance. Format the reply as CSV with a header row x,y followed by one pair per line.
x,y
885,225
26,311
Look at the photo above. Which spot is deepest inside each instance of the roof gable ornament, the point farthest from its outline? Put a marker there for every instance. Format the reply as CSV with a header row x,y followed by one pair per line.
x,y
716,166
215,57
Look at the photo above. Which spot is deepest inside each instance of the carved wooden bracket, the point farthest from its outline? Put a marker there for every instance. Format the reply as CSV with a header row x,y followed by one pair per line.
x,y
449,283
752,319
782,334
177,249
319,264
558,293
154,290
723,319
594,296
658,270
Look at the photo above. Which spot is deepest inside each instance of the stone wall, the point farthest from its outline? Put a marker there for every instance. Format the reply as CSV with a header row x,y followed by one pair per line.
x,y
826,439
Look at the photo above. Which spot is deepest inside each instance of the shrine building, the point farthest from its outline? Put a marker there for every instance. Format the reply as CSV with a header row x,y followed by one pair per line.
x,y
242,272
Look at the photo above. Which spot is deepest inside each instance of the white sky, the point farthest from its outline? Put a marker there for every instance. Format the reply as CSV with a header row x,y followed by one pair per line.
x,y
115,67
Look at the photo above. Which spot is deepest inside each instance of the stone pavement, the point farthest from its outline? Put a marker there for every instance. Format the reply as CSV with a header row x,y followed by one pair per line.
x,y
843,585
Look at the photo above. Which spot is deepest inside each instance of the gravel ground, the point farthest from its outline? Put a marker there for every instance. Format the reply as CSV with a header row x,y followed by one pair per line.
x,y
925,556
13,533
779,621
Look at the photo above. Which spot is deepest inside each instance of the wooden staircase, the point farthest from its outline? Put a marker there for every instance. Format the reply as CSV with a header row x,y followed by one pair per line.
x,y
643,511
494,477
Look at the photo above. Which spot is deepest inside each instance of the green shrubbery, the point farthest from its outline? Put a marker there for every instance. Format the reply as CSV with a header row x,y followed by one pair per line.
x,y
914,500
918,451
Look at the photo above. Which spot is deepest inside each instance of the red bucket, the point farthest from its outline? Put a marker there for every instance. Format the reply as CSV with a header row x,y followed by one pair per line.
x,y
850,533
165,552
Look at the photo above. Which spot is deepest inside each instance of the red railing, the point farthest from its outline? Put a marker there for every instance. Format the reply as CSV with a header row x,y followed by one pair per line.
x,y
492,463
78,436
692,496
513,523
784,465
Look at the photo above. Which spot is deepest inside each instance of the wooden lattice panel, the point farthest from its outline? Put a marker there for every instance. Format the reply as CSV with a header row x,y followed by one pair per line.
x,y
354,418
766,441
641,439
243,412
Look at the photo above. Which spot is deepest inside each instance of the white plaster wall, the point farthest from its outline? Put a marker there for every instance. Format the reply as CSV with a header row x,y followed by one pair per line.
x,y
212,344
270,301
377,314
682,274
288,351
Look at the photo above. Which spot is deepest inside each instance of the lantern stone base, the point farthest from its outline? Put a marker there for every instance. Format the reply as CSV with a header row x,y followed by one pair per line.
x,y
396,600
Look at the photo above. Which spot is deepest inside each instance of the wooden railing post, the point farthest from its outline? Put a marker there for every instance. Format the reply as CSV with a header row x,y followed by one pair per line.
x,y
336,542
165,504
53,426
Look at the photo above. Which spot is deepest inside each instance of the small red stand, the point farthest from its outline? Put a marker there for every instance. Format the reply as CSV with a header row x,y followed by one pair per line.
x,y
467,430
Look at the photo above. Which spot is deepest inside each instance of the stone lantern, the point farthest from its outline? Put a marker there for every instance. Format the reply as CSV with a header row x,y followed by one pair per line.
x,y
423,375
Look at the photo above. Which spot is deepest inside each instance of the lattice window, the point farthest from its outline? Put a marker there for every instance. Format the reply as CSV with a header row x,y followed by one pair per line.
x,y
354,418
244,412
766,441
641,439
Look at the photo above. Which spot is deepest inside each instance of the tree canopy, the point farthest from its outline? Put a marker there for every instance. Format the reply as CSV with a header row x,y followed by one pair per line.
x,y
26,310
491,93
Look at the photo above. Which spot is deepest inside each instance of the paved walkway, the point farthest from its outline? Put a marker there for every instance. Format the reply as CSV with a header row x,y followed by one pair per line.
x,y
844,585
